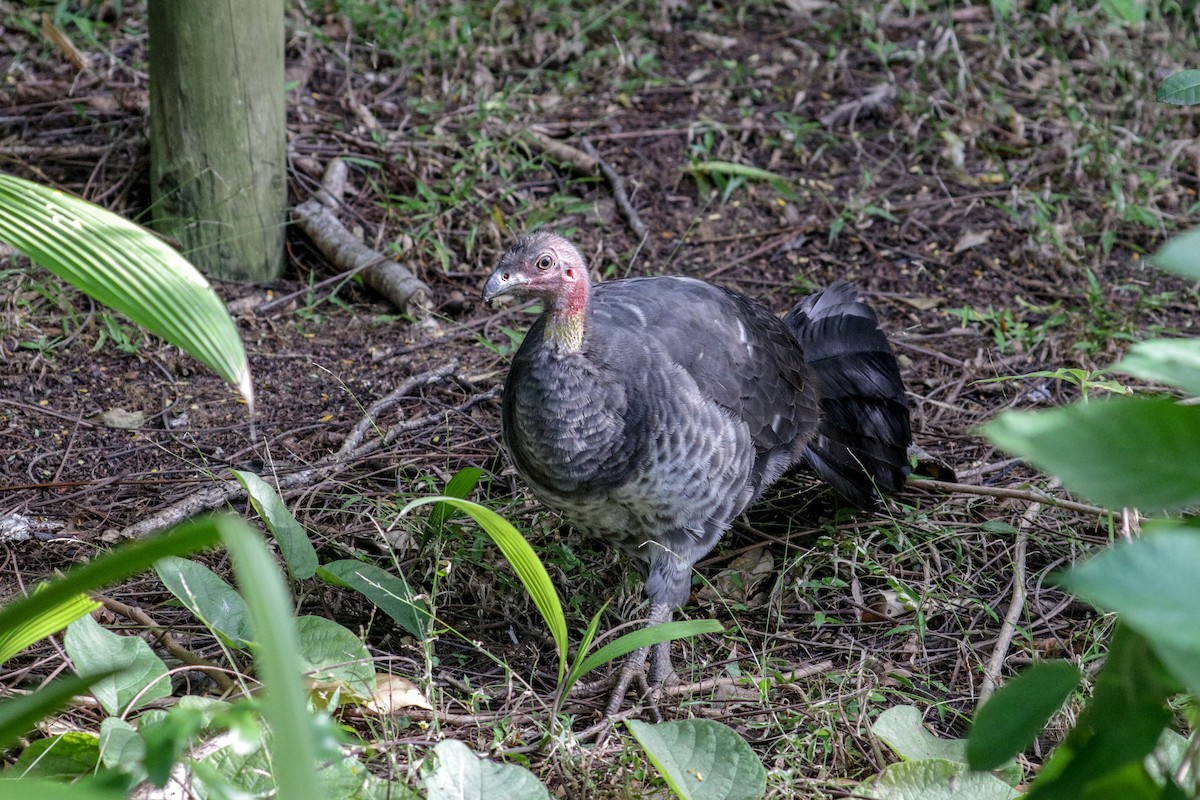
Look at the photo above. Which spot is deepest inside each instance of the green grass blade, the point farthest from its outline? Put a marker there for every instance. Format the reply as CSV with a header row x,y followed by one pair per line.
x,y
19,715
34,628
460,485
293,743
644,637
524,562
125,267
25,613
734,170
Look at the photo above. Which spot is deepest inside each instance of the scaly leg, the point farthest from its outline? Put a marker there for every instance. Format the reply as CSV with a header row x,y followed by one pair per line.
x,y
660,662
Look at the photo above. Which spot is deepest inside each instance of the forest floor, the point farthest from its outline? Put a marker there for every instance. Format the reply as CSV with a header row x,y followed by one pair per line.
x,y
993,185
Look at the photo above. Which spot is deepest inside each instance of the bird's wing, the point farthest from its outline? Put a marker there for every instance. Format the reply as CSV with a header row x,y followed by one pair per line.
x,y
738,353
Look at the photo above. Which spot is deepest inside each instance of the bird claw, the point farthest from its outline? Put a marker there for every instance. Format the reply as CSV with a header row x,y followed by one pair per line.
x,y
648,687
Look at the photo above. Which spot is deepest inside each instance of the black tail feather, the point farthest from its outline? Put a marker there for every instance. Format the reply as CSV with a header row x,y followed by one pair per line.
x,y
861,446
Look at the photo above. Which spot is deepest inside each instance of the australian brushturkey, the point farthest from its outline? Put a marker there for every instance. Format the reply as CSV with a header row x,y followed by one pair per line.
x,y
651,412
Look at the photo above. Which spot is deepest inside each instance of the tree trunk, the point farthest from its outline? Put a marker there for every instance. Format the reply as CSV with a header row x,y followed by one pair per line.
x,y
217,139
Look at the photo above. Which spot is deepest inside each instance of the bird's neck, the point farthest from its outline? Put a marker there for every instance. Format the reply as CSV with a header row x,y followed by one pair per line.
x,y
565,319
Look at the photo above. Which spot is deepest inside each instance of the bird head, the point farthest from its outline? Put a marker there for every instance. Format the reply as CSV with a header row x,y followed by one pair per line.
x,y
540,265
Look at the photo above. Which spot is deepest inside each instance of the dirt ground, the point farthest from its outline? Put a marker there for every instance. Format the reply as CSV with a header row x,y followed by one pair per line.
x,y
993,187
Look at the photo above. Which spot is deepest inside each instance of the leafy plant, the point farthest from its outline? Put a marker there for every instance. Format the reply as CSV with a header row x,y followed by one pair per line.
x,y
125,267
1139,452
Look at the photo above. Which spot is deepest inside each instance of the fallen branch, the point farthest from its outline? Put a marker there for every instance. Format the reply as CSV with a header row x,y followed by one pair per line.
x,y
1030,495
352,450
1016,607
317,218
217,673
589,162
617,184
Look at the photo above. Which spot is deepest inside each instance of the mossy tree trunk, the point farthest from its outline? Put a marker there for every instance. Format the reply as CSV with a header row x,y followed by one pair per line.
x,y
217,139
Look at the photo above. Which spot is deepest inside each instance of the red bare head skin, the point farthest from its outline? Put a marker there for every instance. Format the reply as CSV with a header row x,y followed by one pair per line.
x,y
546,266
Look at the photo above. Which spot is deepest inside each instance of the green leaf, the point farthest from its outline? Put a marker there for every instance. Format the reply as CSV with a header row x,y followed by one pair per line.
x,y
294,748
390,593
211,599
329,653
1175,362
298,552
701,759
1180,89
1181,255
139,676
55,790
459,774
524,562
71,755
36,627
19,714
1122,451
903,729
1120,726
1013,717
1132,12
1151,582
461,485
934,779
732,169
23,617
644,637
122,747
125,267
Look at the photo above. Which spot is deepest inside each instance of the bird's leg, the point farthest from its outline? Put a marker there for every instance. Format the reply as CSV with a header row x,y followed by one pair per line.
x,y
660,662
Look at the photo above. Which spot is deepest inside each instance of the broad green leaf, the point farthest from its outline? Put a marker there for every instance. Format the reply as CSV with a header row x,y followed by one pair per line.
x,y
459,774
1152,583
1180,89
23,617
1181,255
329,653
645,637
390,593
1175,362
903,730
1013,717
127,268
1121,451
460,485
70,755
295,747
524,562
211,599
934,779
701,759
1120,726
139,675
20,713
298,552
122,747
55,790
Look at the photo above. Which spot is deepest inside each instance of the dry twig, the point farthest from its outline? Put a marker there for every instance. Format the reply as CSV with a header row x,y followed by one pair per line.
x,y
353,449
317,217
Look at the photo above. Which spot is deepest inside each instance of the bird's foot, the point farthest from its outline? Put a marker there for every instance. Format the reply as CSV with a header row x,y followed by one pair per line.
x,y
648,688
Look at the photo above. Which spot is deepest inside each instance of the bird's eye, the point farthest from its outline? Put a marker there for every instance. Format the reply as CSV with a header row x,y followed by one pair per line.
x,y
545,261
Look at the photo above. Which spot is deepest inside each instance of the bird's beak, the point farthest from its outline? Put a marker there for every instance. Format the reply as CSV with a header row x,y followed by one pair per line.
x,y
502,282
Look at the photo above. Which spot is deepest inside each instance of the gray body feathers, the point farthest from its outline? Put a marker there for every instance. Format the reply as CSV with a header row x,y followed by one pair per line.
x,y
687,401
